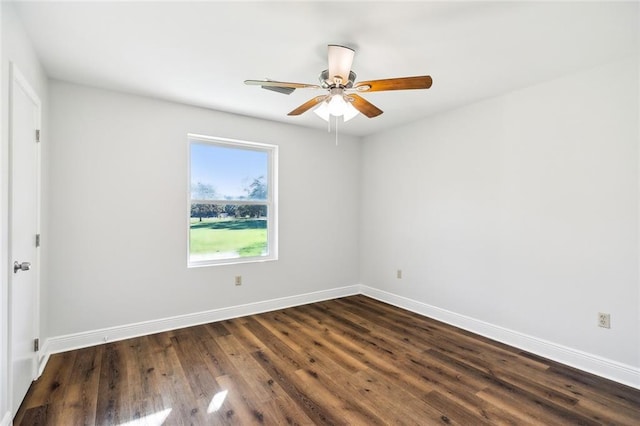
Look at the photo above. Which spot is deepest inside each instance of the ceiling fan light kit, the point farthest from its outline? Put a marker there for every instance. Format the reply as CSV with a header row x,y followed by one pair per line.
x,y
336,107
342,99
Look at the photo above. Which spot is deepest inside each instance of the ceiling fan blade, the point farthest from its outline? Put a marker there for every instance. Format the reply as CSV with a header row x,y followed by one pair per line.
x,y
364,106
308,105
402,83
273,83
283,90
340,59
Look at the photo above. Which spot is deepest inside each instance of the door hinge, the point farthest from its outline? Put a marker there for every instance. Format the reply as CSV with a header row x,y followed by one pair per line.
x,y
37,135
36,344
37,240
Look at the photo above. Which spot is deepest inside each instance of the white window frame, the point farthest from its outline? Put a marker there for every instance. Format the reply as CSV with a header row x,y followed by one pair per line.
x,y
271,202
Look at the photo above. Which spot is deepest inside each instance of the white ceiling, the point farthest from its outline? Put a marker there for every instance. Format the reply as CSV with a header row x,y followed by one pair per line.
x,y
200,53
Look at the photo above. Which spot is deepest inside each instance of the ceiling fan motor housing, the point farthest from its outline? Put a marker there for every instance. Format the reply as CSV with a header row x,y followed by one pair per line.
x,y
326,82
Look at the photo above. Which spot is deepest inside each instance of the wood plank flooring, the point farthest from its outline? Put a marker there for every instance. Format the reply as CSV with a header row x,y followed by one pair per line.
x,y
346,361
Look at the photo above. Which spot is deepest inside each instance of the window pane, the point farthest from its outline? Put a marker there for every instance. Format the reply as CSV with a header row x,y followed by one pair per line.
x,y
228,173
227,231
232,206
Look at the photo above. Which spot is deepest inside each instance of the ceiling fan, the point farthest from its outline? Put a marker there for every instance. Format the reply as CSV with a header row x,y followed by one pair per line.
x,y
342,97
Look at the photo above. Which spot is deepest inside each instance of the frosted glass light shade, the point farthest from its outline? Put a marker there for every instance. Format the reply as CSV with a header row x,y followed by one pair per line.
x,y
350,112
340,61
337,105
322,111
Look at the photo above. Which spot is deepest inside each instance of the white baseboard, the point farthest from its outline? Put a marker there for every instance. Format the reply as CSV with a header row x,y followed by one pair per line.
x,y
6,420
43,357
609,369
603,367
95,337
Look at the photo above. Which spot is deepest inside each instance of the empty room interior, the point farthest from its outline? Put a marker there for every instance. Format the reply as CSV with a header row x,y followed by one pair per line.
x,y
320,212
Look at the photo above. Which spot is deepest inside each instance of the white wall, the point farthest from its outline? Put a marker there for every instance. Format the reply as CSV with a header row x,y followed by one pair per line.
x,y
118,237
16,48
520,211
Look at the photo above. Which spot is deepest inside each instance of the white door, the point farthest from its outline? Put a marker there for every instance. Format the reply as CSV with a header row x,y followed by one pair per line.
x,y
23,221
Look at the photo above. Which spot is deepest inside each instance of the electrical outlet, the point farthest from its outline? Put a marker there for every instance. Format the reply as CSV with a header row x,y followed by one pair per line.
x,y
399,274
604,320
238,279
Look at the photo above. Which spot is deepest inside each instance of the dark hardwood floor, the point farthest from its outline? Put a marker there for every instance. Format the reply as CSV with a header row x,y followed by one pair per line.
x,y
346,361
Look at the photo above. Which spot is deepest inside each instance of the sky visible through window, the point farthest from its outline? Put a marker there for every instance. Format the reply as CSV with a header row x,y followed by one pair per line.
x,y
228,170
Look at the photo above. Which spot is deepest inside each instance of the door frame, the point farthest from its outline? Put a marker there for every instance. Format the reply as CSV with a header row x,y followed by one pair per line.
x,y
16,78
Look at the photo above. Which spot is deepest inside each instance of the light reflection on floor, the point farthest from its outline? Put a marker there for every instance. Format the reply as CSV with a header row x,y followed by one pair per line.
x,y
217,401
158,419
155,419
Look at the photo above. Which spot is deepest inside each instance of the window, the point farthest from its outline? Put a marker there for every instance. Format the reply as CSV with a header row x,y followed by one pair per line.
x,y
232,203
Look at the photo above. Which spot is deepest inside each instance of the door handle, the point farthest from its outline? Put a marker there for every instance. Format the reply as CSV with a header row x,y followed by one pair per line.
x,y
24,266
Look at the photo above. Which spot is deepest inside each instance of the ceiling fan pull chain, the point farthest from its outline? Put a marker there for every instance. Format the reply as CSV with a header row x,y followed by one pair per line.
x,y
336,130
